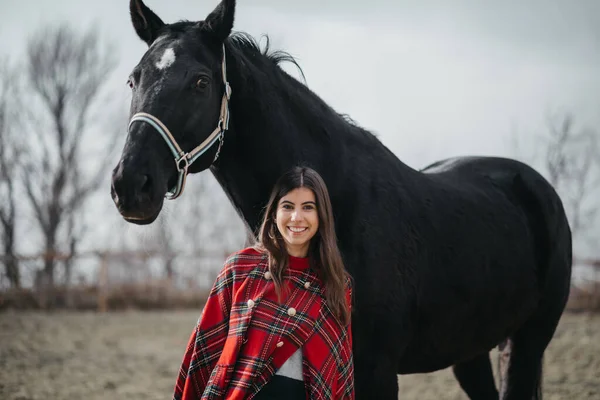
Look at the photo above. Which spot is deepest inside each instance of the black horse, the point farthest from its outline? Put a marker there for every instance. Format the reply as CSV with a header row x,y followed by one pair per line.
x,y
448,262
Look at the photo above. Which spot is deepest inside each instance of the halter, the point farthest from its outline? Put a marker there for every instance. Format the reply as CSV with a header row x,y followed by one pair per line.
x,y
182,159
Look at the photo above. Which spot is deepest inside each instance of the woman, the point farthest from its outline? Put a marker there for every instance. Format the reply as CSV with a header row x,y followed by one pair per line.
x,y
277,321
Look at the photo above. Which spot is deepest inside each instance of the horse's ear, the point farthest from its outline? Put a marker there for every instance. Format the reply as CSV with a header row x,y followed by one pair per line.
x,y
219,23
146,23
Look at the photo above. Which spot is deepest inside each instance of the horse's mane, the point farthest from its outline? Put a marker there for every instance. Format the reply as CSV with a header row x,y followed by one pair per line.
x,y
250,45
247,50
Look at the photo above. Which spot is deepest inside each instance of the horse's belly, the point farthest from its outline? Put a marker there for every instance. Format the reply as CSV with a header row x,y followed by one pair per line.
x,y
454,330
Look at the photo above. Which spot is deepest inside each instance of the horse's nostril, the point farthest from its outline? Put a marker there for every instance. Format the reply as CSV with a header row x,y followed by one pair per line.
x,y
146,184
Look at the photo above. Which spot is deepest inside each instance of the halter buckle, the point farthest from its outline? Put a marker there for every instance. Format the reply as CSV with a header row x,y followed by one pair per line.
x,y
227,90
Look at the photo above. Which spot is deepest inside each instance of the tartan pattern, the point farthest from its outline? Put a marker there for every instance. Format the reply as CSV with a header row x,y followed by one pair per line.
x,y
233,351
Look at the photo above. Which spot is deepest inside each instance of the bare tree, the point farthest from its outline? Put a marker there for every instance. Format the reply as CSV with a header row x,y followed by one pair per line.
x,y
570,161
66,72
568,154
200,225
208,221
10,152
165,243
569,157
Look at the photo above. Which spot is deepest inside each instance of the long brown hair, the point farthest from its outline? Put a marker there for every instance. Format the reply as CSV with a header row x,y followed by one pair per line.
x,y
324,254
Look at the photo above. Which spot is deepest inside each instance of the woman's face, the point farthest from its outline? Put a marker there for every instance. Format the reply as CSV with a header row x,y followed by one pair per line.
x,y
297,220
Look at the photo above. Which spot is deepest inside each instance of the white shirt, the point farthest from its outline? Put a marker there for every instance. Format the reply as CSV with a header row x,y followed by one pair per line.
x,y
292,368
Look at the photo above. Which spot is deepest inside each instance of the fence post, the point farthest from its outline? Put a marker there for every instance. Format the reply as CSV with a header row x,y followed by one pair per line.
x,y
596,294
103,283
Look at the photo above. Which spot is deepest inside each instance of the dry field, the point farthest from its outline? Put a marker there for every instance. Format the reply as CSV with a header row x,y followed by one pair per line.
x,y
135,355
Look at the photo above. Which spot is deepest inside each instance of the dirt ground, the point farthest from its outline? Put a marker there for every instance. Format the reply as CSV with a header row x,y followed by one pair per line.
x,y
136,355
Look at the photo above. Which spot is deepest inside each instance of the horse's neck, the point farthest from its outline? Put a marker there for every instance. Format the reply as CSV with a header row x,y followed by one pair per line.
x,y
252,157
270,131
278,124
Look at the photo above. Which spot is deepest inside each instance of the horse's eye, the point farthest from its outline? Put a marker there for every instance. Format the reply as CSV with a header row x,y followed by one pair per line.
x,y
201,83
130,83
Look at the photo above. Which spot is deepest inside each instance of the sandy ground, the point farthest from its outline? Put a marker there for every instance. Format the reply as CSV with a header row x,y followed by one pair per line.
x,y
136,355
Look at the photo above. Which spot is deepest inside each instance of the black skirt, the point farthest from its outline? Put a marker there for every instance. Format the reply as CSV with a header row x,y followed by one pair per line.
x,y
282,388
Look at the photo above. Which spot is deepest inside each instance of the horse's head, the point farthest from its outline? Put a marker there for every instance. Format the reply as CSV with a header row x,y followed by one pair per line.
x,y
179,109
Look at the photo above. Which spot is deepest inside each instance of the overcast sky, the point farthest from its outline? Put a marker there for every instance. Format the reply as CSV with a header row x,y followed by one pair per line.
x,y
431,78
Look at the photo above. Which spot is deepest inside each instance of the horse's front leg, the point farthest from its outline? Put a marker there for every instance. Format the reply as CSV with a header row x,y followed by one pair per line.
x,y
375,377
377,349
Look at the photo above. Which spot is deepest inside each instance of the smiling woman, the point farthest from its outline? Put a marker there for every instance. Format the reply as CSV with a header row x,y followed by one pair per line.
x,y
297,220
277,322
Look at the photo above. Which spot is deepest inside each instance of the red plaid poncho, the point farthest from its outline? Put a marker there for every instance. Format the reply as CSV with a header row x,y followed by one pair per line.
x,y
244,335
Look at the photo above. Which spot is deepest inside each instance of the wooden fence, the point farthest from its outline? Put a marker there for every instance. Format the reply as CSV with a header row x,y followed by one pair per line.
x,y
108,292
151,292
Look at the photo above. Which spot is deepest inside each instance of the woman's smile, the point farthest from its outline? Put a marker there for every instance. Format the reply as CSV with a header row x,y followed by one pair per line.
x,y
297,220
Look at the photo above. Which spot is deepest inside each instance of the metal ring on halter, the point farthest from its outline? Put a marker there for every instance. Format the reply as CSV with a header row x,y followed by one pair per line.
x,y
186,163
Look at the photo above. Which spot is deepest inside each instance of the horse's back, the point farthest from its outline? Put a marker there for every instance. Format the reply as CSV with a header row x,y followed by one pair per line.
x,y
472,166
502,182
512,201
519,184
